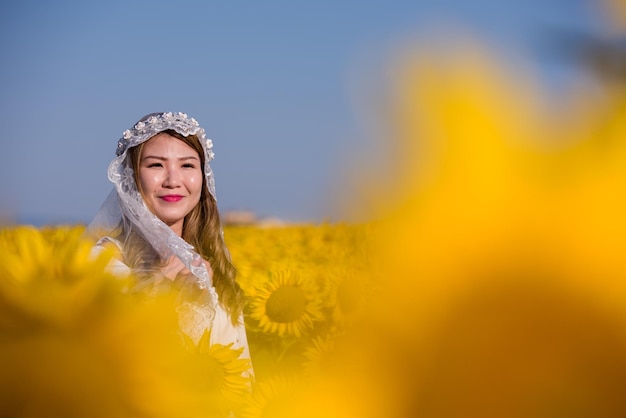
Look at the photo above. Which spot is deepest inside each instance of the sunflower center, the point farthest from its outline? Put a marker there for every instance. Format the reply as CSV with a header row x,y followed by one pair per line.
x,y
286,304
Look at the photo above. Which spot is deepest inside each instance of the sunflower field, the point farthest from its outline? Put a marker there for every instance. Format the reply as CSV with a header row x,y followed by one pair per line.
x,y
73,345
488,279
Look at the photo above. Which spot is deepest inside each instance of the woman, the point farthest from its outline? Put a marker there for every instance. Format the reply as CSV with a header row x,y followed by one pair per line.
x,y
163,218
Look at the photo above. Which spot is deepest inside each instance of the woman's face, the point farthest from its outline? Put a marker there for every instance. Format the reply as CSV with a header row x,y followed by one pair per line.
x,y
170,176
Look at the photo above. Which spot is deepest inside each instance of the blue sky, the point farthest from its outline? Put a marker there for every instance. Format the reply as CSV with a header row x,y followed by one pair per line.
x,y
276,85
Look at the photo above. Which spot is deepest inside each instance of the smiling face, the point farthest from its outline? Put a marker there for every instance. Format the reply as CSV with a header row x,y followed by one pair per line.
x,y
170,178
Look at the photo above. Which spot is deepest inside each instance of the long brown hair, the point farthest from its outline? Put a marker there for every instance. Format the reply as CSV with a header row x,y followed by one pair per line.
x,y
202,228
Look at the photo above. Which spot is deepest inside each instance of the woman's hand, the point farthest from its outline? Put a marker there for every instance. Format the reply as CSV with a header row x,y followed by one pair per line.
x,y
174,268
185,283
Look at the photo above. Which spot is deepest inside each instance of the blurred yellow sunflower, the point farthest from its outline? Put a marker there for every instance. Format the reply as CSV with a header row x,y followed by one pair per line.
x,y
288,303
273,398
501,251
319,355
73,345
228,378
44,273
346,292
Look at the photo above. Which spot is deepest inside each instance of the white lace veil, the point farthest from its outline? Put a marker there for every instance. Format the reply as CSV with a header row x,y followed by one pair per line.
x,y
125,205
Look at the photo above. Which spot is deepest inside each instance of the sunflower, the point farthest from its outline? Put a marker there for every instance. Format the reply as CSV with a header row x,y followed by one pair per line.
x,y
347,290
289,395
72,344
319,355
286,304
502,260
44,274
273,397
228,377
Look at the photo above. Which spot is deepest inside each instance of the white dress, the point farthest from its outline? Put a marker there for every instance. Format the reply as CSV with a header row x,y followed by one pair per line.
x,y
194,319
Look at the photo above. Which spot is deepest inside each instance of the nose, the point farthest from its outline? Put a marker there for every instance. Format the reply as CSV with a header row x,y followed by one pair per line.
x,y
172,178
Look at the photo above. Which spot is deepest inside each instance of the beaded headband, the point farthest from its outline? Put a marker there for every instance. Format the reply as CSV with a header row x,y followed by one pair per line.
x,y
159,122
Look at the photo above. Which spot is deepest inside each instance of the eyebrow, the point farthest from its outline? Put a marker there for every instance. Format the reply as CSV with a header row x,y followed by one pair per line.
x,y
156,157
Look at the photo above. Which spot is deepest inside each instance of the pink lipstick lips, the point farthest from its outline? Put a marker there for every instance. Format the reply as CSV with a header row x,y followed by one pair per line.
x,y
171,198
